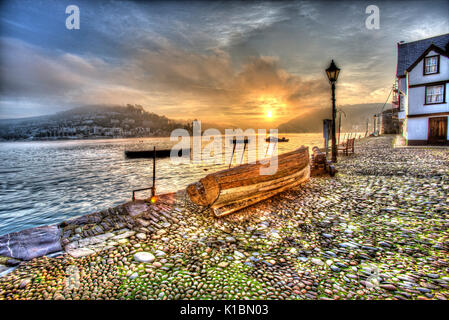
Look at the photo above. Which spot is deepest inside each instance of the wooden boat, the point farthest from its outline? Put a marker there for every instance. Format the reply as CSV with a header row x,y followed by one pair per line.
x,y
161,153
273,139
233,189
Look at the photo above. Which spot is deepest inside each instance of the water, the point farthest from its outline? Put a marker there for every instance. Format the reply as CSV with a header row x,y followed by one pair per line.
x,y
44,183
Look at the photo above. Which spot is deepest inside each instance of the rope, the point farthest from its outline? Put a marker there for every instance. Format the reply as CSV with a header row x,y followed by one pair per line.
x,y
232,156
243,153
386,100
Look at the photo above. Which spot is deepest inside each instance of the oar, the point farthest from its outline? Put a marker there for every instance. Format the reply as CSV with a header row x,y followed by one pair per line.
x,y
269,144
243,153
268,147
232,156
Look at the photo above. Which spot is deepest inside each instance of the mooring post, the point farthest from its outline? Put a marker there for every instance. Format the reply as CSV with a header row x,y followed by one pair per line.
x,y
366,132
153,188
339,127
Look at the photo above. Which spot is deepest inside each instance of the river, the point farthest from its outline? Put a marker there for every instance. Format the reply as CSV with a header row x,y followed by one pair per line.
x,y
46,182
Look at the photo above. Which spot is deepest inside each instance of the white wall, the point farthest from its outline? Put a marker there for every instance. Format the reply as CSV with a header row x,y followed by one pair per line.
x,y
417,128
417,99
415,76
403,85
416,96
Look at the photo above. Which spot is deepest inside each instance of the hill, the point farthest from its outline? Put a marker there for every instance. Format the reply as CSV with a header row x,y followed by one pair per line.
x,y
92,121
355,120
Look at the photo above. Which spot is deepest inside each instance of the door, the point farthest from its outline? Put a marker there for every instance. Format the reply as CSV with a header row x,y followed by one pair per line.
x,y
437,130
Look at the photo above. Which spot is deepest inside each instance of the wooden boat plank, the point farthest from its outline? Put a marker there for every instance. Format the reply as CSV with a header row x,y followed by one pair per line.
x,y
282,169
254,169
220,211
244,167
229,190
238,193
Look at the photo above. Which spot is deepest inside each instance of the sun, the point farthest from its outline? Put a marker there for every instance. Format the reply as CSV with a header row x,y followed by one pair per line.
x,y
269,114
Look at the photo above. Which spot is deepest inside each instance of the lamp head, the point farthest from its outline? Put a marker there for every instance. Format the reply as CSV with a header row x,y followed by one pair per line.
x,y
332,72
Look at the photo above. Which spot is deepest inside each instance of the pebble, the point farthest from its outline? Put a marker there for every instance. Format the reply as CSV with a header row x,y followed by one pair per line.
x,y
335,268
141,236
145,257
263,253
317,261
389,287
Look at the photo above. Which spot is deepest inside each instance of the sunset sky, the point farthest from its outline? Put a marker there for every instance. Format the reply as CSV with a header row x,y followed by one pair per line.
x,y
242,63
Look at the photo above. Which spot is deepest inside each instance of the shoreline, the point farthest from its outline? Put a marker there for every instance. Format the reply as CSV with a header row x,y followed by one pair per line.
x,y
282,248
83,139
122,138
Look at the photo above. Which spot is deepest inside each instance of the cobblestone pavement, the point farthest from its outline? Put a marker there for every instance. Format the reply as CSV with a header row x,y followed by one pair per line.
x,y
378,230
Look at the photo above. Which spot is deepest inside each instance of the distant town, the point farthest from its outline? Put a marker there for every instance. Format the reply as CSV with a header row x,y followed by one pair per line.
x,y
91,122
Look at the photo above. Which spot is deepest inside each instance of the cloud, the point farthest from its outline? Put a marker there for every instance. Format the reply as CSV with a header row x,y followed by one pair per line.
x,y
211,85
229,62
170,80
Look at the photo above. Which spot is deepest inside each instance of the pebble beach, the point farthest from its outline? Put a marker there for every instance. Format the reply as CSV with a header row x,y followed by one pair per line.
x,y
379,229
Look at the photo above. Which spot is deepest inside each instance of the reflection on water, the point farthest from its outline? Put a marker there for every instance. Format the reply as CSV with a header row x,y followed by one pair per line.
x,y
47,182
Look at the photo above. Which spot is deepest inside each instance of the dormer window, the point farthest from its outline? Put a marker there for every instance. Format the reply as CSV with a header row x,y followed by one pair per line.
x,y
431,65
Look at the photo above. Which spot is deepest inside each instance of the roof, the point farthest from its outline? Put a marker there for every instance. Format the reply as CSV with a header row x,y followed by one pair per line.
x,y
409,52
432,47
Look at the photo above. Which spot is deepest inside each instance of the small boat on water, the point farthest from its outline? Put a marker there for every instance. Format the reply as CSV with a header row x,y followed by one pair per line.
x,y
233,189
274,139
160,153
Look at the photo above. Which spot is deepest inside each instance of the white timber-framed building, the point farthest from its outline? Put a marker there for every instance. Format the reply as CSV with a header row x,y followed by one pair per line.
x,y
421,92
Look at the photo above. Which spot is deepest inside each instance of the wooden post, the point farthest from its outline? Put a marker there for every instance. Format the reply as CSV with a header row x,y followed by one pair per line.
x,y
326,134
374,123
366,132
339,127
153,188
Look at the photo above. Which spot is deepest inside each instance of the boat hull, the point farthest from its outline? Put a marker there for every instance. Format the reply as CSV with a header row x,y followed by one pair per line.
x,y
162,153
277,140
230,190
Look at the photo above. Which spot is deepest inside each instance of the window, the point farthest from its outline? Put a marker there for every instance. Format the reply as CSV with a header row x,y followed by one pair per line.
x,y
435,94
431,65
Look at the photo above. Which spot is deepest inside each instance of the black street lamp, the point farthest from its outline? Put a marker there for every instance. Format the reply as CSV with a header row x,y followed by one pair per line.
x,y
332,74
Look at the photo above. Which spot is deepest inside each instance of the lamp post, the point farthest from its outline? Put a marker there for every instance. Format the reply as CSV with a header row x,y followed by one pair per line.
x,y
332,73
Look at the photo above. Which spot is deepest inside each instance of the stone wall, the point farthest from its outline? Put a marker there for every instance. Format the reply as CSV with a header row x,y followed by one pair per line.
x,y
84,235
390,122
